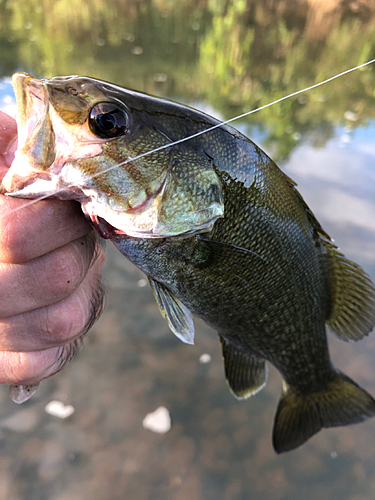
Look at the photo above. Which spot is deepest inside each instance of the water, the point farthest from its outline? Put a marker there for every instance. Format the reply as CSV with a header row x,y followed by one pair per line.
x,y
225,58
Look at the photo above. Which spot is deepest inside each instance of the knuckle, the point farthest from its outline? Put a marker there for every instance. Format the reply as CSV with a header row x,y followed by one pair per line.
x,y
90,247
73,316
63,324
65,354
64,271
57,331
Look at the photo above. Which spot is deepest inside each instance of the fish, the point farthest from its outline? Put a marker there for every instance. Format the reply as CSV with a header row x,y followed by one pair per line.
x,y
218,229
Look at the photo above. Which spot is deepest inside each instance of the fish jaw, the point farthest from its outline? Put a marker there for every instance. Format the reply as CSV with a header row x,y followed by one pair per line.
x,y
146,223
35,152
45,146
59,156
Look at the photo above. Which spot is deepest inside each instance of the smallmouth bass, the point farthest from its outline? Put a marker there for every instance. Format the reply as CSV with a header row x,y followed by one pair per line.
x,y
218,229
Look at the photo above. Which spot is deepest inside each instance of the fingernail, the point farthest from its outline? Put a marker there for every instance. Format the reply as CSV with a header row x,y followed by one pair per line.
x,y
21,393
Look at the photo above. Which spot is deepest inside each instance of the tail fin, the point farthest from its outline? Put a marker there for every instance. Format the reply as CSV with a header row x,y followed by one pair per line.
x,y
300,416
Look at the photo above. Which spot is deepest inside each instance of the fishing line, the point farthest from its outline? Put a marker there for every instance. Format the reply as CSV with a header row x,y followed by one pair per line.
x,y
197,134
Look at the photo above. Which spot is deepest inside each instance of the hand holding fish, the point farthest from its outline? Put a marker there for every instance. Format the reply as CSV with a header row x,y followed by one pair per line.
x,y
50,267
219,230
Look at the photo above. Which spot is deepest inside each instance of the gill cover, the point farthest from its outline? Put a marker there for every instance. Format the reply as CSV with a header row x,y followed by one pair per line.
x,y
87,140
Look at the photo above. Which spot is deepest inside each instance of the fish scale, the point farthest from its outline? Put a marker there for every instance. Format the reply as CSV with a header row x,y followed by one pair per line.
x,y
220,232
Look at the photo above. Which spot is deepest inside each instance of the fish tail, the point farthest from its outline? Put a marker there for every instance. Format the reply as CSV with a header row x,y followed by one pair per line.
x,y
300,416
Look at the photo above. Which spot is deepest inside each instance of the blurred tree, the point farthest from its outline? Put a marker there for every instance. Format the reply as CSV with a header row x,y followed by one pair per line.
x,y
231,55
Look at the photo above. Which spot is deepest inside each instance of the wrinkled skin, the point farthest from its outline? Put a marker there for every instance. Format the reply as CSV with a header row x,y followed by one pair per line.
x,y
50,272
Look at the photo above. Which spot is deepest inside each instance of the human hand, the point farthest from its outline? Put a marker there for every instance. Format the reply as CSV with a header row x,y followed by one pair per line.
x,y
50,293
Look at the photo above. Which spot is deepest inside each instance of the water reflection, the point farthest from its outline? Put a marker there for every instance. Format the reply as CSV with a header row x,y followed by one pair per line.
x,y
225,57
339,182
235,55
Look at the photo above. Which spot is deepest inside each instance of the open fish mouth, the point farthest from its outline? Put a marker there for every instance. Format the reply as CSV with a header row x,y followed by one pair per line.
x,y
79,139
31,104
35,151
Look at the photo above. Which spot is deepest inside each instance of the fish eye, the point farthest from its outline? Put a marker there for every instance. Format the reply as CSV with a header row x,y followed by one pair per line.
x,y
108,120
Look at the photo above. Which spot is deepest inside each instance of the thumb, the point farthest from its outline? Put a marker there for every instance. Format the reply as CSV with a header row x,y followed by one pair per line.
x,y
8,141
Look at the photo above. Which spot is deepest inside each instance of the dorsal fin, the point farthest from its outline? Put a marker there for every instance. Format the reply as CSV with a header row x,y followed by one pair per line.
x,y
246,374
353,297
318,230
178,317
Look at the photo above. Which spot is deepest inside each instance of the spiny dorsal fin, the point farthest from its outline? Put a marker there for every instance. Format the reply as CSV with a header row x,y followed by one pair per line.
x,y
300,416
246,374
353,297
318,230
178,317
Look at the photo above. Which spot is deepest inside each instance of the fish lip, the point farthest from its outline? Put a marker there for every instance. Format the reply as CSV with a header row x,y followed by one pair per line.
x,y
26,85
36,89
32,101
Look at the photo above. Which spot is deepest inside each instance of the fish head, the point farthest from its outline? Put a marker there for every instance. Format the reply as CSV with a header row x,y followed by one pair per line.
x,y
88,140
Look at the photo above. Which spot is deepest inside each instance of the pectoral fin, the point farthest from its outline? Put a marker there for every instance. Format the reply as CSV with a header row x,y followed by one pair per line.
x,y
178,317
246,374
238,261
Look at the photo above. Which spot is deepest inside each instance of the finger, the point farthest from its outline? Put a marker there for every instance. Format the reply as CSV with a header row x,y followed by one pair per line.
x,y
46,279
8,131
8,143
57,324
38,228
29,367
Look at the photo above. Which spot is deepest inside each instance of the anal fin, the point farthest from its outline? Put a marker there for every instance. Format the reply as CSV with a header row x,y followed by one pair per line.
x,y
178,317
246,374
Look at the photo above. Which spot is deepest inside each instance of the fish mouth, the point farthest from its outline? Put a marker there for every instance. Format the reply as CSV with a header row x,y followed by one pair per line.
x,y
31,175
58,156
42,150
36,144
32,101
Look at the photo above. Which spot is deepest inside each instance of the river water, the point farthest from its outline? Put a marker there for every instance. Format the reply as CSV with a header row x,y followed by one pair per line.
x,y
224,57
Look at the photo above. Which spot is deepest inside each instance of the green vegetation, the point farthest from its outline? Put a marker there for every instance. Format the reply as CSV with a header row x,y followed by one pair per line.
x,y
233,55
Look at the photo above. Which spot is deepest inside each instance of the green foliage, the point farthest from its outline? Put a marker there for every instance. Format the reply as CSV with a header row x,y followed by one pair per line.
x,y
233,55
